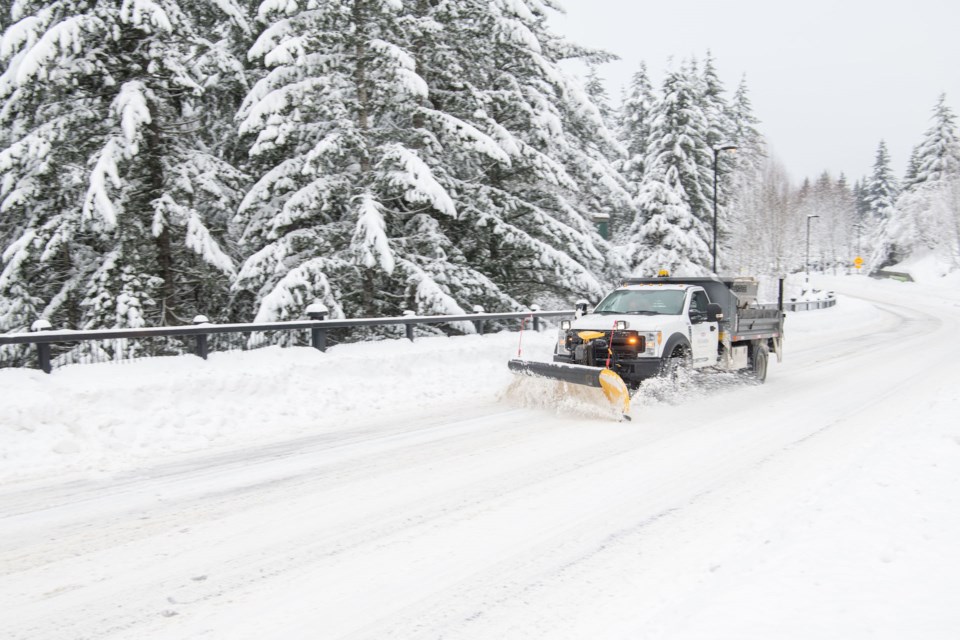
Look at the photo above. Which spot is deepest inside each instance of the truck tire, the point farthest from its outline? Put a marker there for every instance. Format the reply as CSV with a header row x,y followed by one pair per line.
x,y
759,358
678,362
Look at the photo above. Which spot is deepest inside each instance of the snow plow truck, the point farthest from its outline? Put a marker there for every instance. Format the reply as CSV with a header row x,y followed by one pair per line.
x,y
656,326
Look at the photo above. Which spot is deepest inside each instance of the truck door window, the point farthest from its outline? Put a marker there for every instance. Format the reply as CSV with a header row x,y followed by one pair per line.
x,y
699,302
698,306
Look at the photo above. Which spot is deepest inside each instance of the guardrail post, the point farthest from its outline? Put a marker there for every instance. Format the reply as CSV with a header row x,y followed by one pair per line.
x,y
318,335
409,326
201,349
536,319
43,348
478,324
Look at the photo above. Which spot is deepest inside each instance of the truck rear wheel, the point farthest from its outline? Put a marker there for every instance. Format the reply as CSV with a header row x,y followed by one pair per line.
x,y
759,358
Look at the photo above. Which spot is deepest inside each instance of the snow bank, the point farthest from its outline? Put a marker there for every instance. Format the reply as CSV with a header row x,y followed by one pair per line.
x,y
108,417
928,268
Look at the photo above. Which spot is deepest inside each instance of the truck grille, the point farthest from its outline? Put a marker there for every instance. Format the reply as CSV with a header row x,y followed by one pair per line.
x,y
596,350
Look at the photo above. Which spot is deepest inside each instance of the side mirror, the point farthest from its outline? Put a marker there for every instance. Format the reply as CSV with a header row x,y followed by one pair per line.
x,y
714,312
581,308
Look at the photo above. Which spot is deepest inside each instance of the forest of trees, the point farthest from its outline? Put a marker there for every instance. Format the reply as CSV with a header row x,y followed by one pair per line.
x,y
241,159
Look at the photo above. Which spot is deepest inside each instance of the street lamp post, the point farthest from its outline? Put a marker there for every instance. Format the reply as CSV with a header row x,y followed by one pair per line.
x,y
809,218
716,156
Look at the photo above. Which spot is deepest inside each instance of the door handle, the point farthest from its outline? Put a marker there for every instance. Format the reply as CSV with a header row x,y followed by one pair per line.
x,y
712,328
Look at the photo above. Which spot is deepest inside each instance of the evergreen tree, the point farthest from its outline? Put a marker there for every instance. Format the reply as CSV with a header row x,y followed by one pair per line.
x,y
424,156
919,220
881,190
669,231
599,97
938,156
636,116
720,127
913,168
745,183
112,159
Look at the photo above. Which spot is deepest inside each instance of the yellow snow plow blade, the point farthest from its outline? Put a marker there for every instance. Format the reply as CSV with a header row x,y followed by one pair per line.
x,y
614,389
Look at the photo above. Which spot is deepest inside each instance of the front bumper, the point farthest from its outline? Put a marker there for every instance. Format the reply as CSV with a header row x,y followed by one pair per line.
x,y
632,370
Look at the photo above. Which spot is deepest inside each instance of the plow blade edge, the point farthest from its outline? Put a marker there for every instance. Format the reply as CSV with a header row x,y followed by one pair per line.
x,y
612,385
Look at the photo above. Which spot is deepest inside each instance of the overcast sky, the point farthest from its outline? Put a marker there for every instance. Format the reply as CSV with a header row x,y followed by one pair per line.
x,y
828,79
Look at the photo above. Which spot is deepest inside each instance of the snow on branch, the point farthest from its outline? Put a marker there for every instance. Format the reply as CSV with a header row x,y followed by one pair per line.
x,y
298,288
370,237
131,109
290,51
283,7
507,141
308,202
23,32
519,9
468,135
98,199
61,37
416,179
430,297
203,244
560,263
20,164
280,178
234,12
272,36
257,114
169,213
404,67
145,14
14,256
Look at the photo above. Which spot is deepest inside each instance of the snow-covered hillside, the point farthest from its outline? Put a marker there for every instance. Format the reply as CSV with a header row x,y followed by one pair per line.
x,y
396,490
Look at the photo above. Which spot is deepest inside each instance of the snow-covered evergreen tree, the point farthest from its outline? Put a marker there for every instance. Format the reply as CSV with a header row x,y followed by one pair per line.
x,y
112,160
418,155
599,97
720,126
672,228
919,220
938,156
881,188
746,183
636,117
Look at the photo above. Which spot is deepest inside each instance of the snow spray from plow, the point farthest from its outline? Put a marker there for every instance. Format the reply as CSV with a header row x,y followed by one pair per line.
x,y
615,394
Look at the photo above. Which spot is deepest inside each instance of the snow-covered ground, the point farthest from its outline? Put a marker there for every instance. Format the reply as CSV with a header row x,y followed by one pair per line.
x,y
395,490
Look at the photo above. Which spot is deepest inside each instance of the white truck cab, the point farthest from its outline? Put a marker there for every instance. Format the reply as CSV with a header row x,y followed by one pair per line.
x,y
648,326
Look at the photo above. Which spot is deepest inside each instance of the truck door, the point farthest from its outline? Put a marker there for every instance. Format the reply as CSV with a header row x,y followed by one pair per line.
x,y
703,334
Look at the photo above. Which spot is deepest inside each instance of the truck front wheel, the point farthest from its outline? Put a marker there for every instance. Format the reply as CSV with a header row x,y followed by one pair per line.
x,y
678,362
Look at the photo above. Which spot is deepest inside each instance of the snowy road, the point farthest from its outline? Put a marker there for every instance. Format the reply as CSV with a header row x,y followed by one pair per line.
x,y
823,504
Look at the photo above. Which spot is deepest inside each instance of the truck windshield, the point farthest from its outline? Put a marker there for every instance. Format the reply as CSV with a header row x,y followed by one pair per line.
x,y
649,302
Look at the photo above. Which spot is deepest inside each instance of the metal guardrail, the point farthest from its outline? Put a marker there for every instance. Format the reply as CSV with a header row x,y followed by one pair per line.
x,y
43,339
318,330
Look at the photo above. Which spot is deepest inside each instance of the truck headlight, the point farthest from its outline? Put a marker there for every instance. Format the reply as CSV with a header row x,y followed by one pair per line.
x,y
651,342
